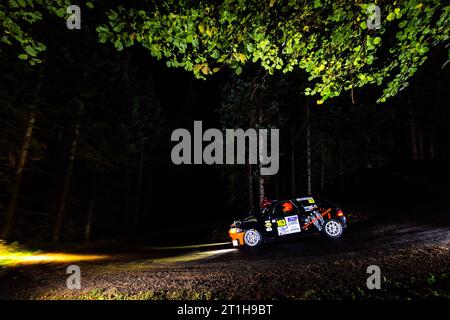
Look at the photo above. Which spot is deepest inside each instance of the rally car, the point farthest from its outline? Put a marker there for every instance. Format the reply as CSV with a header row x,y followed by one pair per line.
x,y
281,219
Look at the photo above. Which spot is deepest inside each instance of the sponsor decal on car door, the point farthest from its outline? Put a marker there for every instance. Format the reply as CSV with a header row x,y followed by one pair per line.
x,y
288,225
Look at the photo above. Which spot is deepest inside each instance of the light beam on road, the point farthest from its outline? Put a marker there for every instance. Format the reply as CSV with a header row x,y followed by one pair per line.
x,y
11,255
193,246
20,259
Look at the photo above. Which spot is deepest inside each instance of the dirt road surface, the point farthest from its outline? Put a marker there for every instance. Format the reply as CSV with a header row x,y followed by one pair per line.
x,y
414,259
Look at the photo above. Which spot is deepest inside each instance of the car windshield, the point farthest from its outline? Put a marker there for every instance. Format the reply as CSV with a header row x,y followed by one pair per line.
x,y
266,211
306,202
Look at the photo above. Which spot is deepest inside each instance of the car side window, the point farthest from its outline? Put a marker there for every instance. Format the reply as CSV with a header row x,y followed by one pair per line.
x,y
266,212
284,208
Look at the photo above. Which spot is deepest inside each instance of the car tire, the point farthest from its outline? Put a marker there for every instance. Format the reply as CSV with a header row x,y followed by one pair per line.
x,y
252,238
333,229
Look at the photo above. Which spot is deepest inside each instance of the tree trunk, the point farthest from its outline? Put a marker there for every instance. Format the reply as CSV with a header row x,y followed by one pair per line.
x,y
19,174
126,205
277,187
66,186
261,190
322,170
293,190
431,136
431,150
88,228
251,199
139,190
261,187
412,126
421,155
308,148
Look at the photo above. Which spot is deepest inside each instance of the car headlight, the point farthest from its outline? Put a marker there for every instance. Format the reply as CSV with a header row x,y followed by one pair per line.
x,y
235,230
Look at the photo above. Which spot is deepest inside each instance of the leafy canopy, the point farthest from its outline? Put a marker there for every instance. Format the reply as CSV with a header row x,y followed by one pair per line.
x,y
329,39
17,18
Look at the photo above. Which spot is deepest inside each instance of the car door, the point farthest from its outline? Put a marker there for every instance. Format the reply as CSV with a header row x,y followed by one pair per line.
x,y
285,219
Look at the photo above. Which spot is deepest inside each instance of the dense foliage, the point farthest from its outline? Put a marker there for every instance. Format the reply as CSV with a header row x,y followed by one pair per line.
x,y
329,39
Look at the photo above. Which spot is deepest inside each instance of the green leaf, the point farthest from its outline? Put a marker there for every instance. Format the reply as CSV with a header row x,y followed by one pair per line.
x,y
376,40
391,16
102,37
205,70
61,12
431,280
23,56
31,51
202,27
197,68
112,15
118,44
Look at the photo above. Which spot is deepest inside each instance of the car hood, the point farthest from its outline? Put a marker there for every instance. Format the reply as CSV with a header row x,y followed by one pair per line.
x,y
250,218
245,221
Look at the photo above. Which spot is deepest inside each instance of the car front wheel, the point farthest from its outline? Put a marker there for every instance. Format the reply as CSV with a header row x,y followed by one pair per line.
x,y
252,238
333,229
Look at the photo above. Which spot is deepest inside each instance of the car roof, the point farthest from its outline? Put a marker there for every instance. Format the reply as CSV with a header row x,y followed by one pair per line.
x,y
304,198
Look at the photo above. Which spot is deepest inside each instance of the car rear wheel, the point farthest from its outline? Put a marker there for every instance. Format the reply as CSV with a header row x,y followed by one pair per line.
x,y
252,238
333,229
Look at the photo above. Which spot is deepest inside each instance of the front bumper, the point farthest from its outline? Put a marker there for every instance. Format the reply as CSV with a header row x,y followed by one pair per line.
x,y
237,239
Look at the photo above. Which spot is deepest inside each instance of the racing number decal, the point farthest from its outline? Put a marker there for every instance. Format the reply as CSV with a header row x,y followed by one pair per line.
x,y
281,223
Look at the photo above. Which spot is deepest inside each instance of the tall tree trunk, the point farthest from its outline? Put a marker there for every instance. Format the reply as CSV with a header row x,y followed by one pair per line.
x,y
251,199
126,205
139,190
90,215
261,187
421,155
19,174
322,170
412,126
431,150
277,187
430,138
66,186
308,148
261,190
293,173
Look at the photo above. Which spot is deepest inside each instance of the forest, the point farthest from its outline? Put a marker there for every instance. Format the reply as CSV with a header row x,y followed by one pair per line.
x,y
87,114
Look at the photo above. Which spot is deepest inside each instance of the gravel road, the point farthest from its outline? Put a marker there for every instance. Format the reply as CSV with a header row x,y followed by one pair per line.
x,y
308,268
